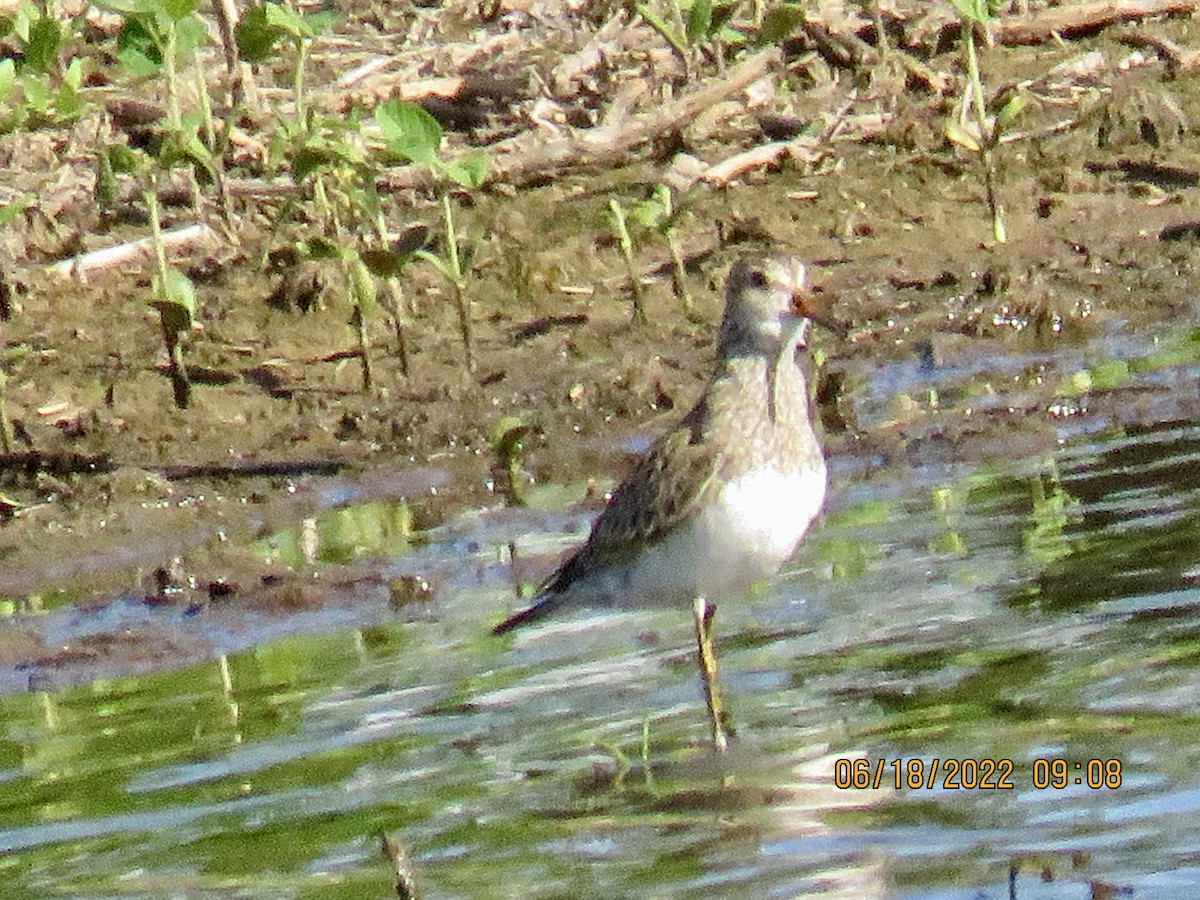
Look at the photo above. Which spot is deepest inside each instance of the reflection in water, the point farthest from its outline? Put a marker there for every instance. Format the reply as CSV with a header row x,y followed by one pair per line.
x,y
1039,611
1138,528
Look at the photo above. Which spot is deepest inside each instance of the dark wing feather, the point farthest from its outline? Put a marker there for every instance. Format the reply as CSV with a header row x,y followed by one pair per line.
x,y
666,487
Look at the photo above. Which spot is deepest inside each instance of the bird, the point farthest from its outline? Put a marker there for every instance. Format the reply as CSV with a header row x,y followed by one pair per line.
x,y
722,499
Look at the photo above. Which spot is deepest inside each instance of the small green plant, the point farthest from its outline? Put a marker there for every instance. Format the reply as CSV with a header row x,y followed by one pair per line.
x,y
263,26
387,261
159,37
48,92
327,156
363,294
304,142
6,432
779,23
983,135
659,215
174,296
620,226
692,22
507,439
450,266
113,160
412,134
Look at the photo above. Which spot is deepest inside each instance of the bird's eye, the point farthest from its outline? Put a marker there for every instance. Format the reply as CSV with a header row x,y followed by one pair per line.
x,y
758,278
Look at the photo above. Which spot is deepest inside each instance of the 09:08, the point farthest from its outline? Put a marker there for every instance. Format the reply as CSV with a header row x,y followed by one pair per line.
x,y
1095,773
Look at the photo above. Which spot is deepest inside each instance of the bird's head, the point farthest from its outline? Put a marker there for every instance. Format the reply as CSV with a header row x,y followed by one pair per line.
x,y
767,302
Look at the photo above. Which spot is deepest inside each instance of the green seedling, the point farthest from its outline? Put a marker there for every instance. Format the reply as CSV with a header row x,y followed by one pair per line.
x,y
113,160
327,155
160,37
39,90
157,37
691,24
412,134
982,136
363,294
660,215
507,439
451,267
386,258
174,296
263,26
6,432
780,23
625,242
388,262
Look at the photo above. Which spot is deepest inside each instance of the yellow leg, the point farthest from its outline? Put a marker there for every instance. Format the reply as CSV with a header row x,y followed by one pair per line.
x,y
706,655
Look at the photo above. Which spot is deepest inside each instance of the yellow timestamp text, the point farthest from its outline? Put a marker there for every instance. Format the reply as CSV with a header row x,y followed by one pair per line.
x,y
968,774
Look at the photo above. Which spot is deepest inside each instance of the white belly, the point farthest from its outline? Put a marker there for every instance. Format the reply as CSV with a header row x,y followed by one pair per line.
x,y
742,537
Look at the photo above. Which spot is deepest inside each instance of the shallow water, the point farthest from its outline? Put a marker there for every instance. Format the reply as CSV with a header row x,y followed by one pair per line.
x,y
977,616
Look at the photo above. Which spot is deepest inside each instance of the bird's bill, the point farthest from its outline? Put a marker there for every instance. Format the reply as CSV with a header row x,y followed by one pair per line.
x,y
816,307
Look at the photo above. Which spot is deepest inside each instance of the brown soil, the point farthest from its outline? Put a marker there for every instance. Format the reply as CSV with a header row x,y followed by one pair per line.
x,y
890,214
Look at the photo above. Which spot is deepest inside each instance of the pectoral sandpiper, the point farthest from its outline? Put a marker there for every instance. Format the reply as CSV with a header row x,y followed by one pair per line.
x,y
725,497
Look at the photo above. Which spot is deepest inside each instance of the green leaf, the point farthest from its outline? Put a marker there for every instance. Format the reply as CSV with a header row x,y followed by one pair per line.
x,y
362,287
22,21
730,37
124,159
654,213
700,20
409,131
390,261
780,23
956,134
37,95
659,24
178,9
322,248
469,172
138,63
73,78
137,48
973,10
41,52
281,17
190,34
175,300
10,212
306,160
8,77
1009,111
106,180
300,27
68,104
320,22
382,263
255,36
200,157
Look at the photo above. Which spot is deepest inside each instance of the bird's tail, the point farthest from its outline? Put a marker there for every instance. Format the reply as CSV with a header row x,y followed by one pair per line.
x,y
538,611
